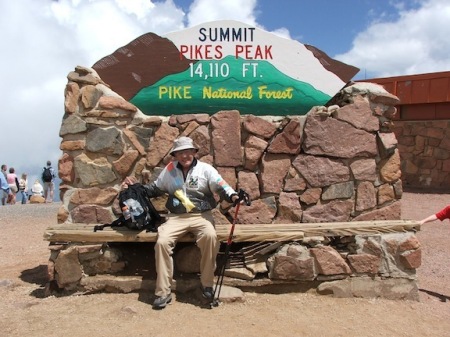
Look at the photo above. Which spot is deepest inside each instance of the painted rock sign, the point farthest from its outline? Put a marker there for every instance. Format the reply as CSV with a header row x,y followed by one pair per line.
x,y
223,65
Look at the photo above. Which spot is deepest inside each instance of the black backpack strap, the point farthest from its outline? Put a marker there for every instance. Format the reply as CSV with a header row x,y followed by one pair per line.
x,y
116,223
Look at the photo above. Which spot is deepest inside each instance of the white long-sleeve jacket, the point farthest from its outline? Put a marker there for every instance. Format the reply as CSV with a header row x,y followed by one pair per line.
x,y
201,181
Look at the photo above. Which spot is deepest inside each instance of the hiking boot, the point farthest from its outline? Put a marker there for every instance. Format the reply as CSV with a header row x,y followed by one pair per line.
x,y
208,293
161,301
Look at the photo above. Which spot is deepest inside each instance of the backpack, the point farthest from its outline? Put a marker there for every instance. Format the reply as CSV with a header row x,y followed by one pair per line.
x,y
142,213
47,175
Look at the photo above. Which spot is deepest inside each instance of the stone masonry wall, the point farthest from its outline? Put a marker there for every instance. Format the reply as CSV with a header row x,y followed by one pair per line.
x,y
425,153
339,163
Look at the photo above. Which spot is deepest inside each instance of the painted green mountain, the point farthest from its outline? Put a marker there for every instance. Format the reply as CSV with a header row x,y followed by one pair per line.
x,y
252,87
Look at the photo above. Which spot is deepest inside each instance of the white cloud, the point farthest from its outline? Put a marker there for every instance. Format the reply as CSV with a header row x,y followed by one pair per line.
x,y
417,42
206,10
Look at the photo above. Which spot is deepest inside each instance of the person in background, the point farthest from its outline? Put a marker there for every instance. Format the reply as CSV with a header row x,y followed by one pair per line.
x,y
4,169
3,194
13,183
190,185
48,177
441,215
37,188
23,187
4,186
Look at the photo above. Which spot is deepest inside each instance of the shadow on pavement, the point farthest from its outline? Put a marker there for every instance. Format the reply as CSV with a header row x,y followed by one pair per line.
x,y
442,298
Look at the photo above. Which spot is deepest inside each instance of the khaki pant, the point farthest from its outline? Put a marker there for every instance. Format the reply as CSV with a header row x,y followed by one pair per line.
x,y
199,224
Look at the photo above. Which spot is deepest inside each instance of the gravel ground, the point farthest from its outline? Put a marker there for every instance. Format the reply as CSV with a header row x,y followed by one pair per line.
x,y
25,312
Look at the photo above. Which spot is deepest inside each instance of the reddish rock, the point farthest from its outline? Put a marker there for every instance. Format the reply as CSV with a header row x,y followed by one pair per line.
x,y
366,196
94,195
290,268
72,145
388,143
411,259
295,184
364,263
83,77
274,168
125,163
390,168
91,214
324,137
384,98
248,181
411,243
330,212
288,141
112,103
259,127
358,114
63,215
65,168
373,247
229,175
71,96
90,96
289,209
385,194
261,211
311,196
226,138
329,261
254,148
134,140
150,121
202,140
186,118
68,268
161,144
364,169
390,212
321,171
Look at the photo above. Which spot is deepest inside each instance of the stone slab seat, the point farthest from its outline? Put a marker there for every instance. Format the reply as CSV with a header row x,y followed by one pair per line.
x,y
80,232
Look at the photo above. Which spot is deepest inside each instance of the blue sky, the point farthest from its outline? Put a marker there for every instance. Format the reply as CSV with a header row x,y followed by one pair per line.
x,y
328,25
42,41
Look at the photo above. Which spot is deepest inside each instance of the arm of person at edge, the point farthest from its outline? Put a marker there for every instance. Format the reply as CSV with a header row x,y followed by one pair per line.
x,y
441,215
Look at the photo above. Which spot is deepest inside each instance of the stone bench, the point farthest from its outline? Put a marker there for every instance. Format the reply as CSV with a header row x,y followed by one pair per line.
x,y
363,259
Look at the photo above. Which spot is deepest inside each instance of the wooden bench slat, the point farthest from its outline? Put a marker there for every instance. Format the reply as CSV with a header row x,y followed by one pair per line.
x,y
242,232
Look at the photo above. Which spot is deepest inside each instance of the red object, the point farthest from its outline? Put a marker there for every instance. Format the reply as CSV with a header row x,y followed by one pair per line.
x,y
444,214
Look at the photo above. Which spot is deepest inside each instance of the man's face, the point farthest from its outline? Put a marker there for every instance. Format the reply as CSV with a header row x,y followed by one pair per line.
x,y
185,157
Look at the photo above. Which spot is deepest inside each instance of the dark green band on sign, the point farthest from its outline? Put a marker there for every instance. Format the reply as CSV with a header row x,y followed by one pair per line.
x,y
254,87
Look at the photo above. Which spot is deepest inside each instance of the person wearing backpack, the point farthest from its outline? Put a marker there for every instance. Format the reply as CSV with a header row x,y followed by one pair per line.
x,y
48,176
190,185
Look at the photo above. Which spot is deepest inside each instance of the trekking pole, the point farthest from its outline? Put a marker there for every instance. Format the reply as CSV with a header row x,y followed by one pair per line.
x,y
243,196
